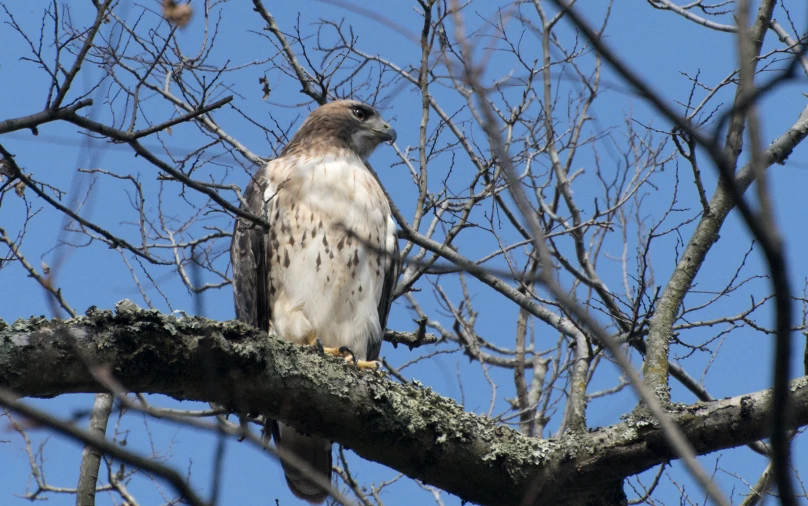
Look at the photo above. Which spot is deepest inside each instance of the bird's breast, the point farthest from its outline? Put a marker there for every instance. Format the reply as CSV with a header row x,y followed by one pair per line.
x,y
330,233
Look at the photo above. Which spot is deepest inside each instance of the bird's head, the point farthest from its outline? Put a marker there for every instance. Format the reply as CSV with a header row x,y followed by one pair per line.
x,y
345,123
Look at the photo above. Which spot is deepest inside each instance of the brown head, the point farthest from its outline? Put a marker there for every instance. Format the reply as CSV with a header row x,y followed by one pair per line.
x,y
345,124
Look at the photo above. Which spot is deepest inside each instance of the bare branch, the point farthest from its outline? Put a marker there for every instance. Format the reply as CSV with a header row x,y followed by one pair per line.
x,y
65,428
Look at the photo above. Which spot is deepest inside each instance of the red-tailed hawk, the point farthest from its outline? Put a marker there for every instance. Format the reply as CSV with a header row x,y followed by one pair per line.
x,y
327,267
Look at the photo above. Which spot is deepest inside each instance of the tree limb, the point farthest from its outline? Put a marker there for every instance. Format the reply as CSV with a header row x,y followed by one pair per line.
x,y
406,427
91,454
34,120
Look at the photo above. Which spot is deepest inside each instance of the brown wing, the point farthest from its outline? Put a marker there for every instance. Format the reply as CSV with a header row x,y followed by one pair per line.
x,y
386,301
250,255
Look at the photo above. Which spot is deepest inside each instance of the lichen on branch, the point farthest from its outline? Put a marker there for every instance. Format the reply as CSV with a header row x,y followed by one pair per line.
x,y
405,426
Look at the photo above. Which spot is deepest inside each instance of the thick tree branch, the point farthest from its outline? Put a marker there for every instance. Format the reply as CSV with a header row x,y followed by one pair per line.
x,y
406,427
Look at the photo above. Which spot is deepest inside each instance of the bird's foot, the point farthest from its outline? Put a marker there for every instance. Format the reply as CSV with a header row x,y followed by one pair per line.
x,y
334,352
360,364
373,365
349,356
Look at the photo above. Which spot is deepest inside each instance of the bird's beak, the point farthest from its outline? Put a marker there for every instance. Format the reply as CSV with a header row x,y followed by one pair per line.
x,y
387,133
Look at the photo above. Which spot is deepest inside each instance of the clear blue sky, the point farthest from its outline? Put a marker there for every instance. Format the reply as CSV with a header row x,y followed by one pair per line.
x,y
659,45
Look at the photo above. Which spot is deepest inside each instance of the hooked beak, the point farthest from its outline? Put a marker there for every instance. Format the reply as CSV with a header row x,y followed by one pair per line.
x,y
387,133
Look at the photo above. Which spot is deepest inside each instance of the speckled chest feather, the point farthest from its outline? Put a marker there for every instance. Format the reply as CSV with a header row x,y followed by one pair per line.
x,y
331,242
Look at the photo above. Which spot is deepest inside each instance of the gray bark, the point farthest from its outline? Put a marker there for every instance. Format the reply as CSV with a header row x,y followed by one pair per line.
x,y
406,427
90,455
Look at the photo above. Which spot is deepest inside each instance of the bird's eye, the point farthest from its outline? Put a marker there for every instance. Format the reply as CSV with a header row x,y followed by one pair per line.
x,y
359,114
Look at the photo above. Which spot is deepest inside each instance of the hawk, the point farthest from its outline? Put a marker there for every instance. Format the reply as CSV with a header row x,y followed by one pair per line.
x,y
324,271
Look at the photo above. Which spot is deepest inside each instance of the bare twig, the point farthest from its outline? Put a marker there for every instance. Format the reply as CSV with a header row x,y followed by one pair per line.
x,y
66,428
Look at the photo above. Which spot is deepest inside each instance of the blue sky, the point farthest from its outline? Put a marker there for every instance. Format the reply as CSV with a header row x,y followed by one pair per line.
x,y
659,45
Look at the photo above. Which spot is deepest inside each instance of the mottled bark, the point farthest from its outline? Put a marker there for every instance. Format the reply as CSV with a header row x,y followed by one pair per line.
x,y
407,427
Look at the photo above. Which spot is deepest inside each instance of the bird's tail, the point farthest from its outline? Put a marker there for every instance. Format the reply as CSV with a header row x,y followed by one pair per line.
x,y
312,449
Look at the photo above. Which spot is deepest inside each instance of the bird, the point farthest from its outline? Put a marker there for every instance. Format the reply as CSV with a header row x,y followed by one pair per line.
x,y
325,270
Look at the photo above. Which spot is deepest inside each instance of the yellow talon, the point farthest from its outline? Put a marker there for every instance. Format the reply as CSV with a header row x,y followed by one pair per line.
x,y
349,356
368,364
334,352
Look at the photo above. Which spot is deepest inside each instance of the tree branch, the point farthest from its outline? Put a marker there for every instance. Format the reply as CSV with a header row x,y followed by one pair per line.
x,y
302,76
91,454
89,438
406,427
34,120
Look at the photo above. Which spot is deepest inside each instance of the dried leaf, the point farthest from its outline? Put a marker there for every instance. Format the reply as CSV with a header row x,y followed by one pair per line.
x,y
265,88
19,189
178,14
